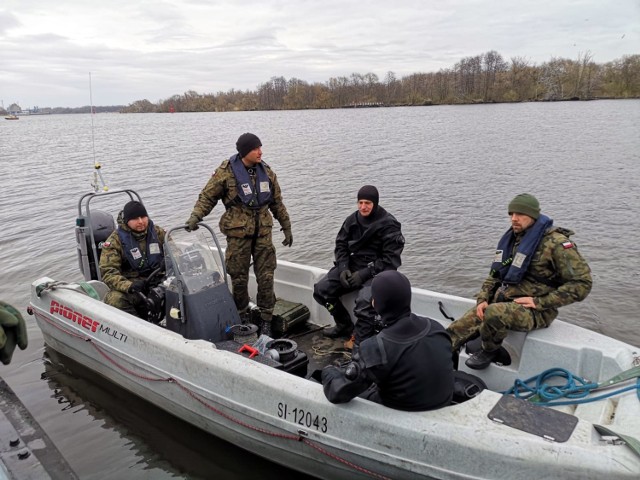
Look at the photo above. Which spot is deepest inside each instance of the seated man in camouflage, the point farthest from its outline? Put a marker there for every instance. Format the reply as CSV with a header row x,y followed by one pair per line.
x,y
536,269
129,255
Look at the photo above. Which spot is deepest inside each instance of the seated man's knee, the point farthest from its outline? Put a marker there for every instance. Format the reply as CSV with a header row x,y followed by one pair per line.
x,y
504,315
317,295
464,328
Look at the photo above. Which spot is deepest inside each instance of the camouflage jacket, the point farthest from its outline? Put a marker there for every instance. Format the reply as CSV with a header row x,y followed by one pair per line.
x,y
115,269
239,220
557,276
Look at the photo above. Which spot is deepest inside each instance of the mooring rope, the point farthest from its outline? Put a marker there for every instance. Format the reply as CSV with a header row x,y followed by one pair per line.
x,y
575,389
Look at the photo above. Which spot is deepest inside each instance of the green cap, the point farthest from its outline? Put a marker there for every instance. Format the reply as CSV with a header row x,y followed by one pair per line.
x,y
525,203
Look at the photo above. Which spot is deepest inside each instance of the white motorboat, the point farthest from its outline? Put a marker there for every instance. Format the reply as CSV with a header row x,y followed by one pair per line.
x,y
184,361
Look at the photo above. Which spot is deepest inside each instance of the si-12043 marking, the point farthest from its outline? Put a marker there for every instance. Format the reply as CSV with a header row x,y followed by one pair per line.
x,y
302,417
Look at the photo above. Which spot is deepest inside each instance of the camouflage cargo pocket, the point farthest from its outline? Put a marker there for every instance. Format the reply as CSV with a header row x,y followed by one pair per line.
x,y
266,223
233,223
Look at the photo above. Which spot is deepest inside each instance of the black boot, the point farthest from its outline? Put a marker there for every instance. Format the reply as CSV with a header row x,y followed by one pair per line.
x,y
344,325
340,330
481,360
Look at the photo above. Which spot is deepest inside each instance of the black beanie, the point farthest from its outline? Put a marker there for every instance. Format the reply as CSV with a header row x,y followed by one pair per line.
x,y
369,192
133,210
247,142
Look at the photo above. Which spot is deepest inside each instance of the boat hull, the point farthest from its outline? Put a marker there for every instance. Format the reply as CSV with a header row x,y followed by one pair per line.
x,y
287,419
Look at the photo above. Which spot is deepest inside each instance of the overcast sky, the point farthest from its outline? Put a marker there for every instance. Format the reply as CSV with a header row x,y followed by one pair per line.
x,y
140,49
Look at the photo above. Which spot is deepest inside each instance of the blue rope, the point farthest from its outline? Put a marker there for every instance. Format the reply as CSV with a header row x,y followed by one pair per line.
x,y
576,389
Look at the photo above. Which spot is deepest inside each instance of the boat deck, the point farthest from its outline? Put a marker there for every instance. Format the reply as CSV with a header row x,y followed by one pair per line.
x,y
319,350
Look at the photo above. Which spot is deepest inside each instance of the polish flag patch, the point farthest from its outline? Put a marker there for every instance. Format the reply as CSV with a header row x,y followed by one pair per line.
x,y
567,245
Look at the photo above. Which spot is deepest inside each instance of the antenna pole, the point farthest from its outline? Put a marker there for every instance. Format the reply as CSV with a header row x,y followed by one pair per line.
x,y
96,166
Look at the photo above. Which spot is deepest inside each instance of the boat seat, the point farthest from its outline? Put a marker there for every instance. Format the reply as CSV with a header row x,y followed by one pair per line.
x,y
100,288
102,225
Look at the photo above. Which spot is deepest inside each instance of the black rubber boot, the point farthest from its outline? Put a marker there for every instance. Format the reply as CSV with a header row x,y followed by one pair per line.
x,y
342,329
481,360
338,331
344,325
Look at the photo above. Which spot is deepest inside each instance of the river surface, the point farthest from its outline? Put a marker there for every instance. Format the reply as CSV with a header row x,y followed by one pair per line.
x,y
447,173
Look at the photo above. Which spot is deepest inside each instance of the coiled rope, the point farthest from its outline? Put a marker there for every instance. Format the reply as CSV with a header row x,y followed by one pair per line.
x,y
576,389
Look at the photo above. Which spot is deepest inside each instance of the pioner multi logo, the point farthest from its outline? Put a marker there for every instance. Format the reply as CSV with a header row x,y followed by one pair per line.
x,y
84,321
77,317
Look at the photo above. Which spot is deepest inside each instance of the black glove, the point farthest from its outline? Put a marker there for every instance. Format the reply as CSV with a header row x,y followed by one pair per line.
x,y
358,278
137,285
329,373
345,277
192,223
352,371
13,331
288,237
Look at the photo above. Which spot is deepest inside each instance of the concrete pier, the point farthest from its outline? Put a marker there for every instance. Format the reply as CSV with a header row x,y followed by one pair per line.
x,y
26,452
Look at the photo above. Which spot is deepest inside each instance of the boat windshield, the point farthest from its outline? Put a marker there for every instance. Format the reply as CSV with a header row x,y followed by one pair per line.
x,y
193,258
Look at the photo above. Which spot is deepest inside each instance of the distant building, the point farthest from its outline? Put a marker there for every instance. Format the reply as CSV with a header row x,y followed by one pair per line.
x,y
14,109
38,111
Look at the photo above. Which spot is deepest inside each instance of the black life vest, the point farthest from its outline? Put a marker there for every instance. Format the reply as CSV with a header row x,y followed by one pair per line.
x,y
511,267
252,197
143,263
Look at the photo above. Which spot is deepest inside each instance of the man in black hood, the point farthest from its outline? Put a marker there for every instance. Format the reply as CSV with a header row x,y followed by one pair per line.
x,y
370,241
407,366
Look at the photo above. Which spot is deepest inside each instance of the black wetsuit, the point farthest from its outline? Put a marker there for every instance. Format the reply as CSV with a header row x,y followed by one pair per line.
x,y
407,366
367,245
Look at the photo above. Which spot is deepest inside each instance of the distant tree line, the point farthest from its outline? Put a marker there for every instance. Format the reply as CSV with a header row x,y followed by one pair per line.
x,y
85,109
485,78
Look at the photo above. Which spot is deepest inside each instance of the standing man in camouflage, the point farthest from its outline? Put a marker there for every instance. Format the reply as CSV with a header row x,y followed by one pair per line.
x,y
250,193
130,254
536,269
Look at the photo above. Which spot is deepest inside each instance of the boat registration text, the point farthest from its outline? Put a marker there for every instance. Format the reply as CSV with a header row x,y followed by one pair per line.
x,y
302,417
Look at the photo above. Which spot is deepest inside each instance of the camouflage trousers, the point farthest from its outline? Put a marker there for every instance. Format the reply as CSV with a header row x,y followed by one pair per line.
x,y
128,302
238,260
499,318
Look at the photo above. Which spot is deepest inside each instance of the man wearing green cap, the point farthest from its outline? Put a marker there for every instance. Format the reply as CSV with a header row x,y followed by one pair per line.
x,y
536,269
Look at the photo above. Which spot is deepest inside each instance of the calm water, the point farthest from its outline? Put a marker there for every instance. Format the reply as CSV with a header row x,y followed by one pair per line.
x,y
447,173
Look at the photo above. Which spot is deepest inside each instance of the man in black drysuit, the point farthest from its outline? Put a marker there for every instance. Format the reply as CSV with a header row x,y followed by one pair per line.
x,y
407,366
370,241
